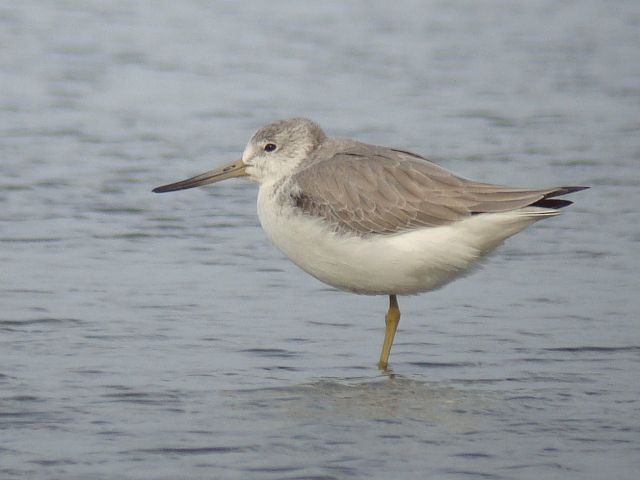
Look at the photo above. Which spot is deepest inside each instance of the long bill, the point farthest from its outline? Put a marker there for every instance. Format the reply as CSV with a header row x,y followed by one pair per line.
x,y
230,170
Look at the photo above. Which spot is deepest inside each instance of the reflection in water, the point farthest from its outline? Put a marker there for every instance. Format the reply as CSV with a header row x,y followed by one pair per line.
x,y
388,399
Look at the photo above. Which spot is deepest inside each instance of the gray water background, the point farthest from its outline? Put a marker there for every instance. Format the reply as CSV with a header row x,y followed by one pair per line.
x,y
161,336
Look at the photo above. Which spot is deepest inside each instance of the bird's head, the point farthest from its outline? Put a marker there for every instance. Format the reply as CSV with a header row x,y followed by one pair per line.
x,y
273,152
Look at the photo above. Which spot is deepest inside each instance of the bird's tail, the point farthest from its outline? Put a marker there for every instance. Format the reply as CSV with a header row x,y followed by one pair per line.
x,y
549,200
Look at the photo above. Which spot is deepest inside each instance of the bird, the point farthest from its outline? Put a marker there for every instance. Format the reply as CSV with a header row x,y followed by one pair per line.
x,y
375,220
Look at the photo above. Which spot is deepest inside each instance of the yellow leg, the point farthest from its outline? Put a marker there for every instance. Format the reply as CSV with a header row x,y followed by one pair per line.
x,y
391,321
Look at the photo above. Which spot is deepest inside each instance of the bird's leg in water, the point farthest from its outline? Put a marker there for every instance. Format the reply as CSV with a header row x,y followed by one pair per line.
x,y
391,321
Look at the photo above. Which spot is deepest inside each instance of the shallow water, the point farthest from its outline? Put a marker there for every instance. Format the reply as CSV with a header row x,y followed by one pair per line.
x,y
147,336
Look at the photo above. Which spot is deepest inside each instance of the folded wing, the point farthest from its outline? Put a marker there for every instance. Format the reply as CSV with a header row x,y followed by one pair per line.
x,y
368,190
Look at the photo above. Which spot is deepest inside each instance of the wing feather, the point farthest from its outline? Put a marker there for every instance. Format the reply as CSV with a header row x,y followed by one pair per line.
x,y
365,190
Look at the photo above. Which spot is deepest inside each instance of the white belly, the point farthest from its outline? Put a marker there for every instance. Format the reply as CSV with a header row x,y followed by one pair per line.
x,y
405,263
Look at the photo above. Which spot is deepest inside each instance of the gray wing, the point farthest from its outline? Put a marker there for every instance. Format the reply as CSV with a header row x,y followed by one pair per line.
x,y
364,189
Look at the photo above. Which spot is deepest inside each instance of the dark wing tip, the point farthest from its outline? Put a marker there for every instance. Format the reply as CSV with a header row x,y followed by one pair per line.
x,y
549,202
552,203
565,191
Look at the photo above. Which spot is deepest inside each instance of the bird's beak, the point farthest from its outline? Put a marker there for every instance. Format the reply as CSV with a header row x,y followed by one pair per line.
x,y
230,170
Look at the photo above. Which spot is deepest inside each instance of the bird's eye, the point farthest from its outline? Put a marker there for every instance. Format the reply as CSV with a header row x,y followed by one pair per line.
x,y
270,147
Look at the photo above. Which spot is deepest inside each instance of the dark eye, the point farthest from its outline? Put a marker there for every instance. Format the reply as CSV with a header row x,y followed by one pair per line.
x,y
270,147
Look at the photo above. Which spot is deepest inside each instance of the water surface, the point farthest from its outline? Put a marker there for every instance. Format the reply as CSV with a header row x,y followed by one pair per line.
x,y
147,336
